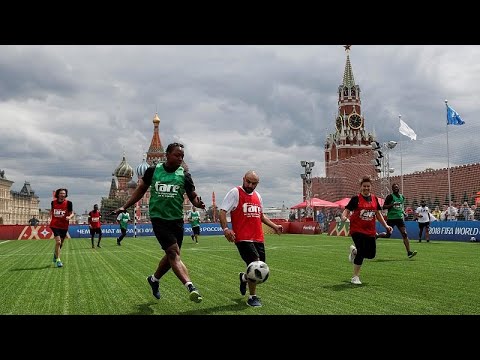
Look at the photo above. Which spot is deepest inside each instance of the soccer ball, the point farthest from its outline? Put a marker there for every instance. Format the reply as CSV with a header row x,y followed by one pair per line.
x,y
472,239
257,271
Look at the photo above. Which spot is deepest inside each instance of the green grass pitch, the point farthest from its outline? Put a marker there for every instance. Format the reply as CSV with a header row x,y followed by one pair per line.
x,y
309,275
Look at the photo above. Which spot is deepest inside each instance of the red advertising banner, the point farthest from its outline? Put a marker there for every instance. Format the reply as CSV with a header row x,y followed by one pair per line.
x,y
25,232
304,227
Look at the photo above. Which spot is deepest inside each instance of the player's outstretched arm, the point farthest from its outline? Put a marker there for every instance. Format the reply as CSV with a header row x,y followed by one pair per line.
x,y
136,196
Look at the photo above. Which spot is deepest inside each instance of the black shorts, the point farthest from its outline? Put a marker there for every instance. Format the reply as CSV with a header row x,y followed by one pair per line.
x,y
396,222
60,232
251,251
366,247
196,230
168,232
94,231
424,225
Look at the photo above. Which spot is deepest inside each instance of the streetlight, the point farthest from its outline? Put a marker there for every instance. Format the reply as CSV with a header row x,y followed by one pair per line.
x,y
307,182
381,162
386,169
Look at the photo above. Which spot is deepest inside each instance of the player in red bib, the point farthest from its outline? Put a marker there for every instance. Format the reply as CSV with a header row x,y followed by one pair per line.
x,y
95,225
61,212
246,211
363,210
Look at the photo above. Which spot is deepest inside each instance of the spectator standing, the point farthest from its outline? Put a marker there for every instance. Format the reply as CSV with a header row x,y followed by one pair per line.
x,y
437,213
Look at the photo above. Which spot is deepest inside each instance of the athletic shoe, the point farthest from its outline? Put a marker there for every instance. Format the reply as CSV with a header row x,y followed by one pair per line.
x,y
194,294
155,285
98,246
412,253
353,253
254,301
58,263
356,280
243,284
380,235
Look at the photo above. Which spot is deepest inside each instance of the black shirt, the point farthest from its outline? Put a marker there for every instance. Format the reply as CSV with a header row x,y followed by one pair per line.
x,y
353,203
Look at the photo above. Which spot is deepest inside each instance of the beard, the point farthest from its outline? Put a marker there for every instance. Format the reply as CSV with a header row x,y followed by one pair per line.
x,y
248,190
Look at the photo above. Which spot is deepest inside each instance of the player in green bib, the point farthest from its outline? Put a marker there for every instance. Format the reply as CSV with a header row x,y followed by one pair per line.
x,y
168,182
395,204
194,219
123,218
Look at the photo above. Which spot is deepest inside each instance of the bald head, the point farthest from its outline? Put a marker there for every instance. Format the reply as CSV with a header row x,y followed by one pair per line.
x,y
251,173
250,181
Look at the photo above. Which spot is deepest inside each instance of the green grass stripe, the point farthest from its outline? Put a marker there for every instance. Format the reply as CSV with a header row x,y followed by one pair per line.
x,y
309,275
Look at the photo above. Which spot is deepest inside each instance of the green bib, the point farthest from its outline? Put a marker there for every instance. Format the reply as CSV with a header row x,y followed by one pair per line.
x,y
396,212
166,194
195,218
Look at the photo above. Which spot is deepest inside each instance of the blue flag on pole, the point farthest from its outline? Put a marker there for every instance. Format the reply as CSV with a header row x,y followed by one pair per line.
x,y
453,118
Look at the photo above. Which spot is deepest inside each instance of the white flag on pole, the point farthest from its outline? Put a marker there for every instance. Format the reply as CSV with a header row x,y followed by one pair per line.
x,y
406,130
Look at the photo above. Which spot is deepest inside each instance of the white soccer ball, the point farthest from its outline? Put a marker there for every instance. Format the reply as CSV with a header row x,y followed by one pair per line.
x,y
257,271
472,239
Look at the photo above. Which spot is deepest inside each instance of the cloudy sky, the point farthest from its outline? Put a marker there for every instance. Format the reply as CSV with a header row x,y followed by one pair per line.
x,y
68,113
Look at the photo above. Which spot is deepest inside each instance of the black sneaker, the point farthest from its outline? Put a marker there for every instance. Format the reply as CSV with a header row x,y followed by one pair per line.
x,y
98,246
155,287
194,294
412,253
254,301
243,284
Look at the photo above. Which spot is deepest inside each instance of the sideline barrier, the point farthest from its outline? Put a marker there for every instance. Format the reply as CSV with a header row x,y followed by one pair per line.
x,y
43,232
304,227
439,230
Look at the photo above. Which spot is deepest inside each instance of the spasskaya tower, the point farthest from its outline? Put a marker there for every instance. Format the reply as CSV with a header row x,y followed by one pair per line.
x,y
348,150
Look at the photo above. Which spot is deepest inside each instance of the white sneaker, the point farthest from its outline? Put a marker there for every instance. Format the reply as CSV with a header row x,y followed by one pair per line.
x,y
353,253
356,280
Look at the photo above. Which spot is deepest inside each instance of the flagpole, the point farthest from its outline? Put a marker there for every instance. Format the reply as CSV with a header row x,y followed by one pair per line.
x,y
448,168
401,161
